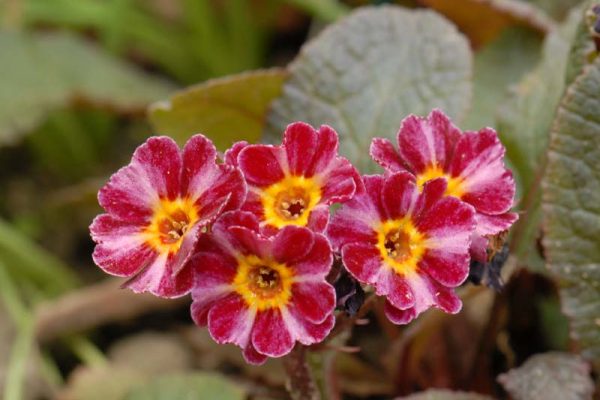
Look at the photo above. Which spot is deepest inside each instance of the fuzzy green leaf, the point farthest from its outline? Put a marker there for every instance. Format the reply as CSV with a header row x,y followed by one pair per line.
x,y
364,74
226,109
571,206
550,376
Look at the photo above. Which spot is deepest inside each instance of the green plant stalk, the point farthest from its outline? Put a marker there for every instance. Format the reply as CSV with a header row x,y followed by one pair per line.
x,y
24,258
15,376
86,351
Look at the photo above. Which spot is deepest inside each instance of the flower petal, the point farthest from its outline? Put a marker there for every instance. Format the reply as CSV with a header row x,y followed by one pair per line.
x,y
399,194
154,173
263,165
494,224
250,242
448,225
292,243
450,269
199,166
447,300
396,287
449,219
159,279
252,356
382,151
313,301
231,321
425,142
363,261
398,316
121,250
270,335
352,223
317,262
340,181
305,331
478,161
318,218
231,155
300,140
226,191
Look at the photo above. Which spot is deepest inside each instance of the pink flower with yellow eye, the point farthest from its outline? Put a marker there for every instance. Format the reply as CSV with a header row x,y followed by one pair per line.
x,y
156,207
471,162
410,243
296,182
262,293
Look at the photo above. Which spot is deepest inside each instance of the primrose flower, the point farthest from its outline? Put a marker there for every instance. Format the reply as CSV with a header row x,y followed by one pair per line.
x,y
156,208
262,293
411,244
296,182
471,162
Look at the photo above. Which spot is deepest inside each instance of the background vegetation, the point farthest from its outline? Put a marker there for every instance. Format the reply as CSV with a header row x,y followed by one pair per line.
x,y
83,82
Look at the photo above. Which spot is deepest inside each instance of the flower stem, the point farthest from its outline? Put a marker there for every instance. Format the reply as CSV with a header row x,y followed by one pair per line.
x,y
300,382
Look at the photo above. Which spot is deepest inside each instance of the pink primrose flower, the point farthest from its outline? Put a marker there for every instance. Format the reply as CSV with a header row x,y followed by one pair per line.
x,y
156,208
296,182
410,243
262,293
471,162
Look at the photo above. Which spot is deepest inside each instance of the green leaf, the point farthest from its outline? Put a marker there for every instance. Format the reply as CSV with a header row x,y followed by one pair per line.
x,y
441,394
571,205
40,73
501,63
190,386
525,117
226,109
365,73
583,49
558,9
550,376
524,122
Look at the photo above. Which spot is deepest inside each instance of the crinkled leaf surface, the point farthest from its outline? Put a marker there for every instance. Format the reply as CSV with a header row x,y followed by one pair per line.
x,y
550,376
42,72
226,109
441,394
499,64
364,74
571,207
583,49
190,386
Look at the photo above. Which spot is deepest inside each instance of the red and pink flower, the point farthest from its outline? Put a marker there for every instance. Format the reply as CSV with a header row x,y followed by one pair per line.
x,y
156,208
296,182
262,293
410,243
471,162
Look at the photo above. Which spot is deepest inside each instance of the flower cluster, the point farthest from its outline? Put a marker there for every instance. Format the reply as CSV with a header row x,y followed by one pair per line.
x,y
251,238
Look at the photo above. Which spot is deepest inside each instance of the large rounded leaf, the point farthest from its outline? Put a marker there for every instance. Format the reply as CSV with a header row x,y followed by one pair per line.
x,y
365,73
571,206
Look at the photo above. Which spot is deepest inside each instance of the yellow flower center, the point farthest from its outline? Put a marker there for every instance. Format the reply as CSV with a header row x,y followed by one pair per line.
x,y
171,219
290,201
263,284
455,186
401,245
